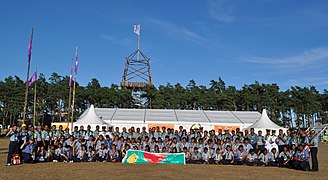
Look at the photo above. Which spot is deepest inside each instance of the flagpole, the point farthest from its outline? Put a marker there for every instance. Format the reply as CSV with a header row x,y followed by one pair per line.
x,y
34,112
73,99
27,77
73,102
69,97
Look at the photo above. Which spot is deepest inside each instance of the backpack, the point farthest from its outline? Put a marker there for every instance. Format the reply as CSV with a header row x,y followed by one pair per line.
x,y
16,159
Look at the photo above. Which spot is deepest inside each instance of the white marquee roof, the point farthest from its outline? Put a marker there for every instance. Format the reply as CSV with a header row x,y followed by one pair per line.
x,y
115,115
264,122
90,117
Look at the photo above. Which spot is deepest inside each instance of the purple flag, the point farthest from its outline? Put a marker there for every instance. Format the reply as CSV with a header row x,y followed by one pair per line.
x,y
29,54
70,78
76,61
33,78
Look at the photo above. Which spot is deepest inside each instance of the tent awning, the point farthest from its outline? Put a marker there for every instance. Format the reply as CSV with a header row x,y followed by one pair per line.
x,y
265,123
90,117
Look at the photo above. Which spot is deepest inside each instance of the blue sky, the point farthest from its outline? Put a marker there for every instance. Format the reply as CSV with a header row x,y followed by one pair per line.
x,y
272,41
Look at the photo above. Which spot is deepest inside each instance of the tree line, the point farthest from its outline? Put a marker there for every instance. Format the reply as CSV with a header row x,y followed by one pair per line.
x,y
294,107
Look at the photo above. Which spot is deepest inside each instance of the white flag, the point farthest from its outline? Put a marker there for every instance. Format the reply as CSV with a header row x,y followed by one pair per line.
x,y
136,29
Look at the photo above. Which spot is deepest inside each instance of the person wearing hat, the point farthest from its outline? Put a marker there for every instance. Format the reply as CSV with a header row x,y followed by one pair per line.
x,y
314,151
13,145
22,136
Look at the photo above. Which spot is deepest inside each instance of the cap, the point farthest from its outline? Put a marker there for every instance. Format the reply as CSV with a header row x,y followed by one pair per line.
x,y
23,125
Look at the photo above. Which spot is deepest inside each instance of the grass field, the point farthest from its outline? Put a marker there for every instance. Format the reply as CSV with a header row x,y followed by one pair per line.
x,y
98,170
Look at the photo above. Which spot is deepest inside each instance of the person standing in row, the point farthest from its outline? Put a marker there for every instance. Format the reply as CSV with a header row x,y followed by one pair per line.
x,y
314,151
13,145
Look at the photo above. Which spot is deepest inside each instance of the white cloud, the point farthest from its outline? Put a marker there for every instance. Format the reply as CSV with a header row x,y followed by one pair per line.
x,y
115,40
307,59
221,11
177,30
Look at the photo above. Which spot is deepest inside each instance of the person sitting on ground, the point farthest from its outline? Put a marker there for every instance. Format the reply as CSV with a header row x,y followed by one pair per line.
x,y
228,156
264,158
102,153
187,155
81,154
91,154
206,156
273,157
41,155
240,155
218,156
68,156
252,159
28,150
113,155
195,156
302,159
284,157
52,154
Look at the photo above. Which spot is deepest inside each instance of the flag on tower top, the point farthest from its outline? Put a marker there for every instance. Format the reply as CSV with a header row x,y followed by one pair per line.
x,y
136,29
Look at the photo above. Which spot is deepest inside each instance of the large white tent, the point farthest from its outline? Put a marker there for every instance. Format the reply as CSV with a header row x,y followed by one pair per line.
x,y
264,122
90,117
169,117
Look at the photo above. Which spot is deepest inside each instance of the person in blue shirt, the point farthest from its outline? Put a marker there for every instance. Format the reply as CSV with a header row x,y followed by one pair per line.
x,y
13,145
81,154
51,154
284,157
195,156
42,155
23,134
102,153
68,156
88,133
27,150
302,159
38,138
314,151
264,158
281,140
252,158
240,155
113,154
253,138
228,156
45,137
260,141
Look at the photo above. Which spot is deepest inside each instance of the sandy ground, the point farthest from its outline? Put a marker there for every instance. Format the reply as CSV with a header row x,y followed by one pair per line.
x,y
99,170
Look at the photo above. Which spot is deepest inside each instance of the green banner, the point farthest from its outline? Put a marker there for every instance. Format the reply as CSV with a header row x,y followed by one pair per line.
x,y
142,157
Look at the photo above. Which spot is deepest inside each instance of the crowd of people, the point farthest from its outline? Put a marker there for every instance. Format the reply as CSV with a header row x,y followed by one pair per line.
x,y
43,144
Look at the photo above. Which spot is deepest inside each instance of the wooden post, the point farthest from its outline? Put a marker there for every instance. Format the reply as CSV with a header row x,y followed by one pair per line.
x,y
28,73
73,102
34,104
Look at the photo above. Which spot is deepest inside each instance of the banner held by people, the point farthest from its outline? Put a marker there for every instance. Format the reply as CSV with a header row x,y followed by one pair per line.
x,y
143,157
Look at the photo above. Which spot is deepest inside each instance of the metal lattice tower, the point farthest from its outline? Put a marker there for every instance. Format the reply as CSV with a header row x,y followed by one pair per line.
x,y
136,73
